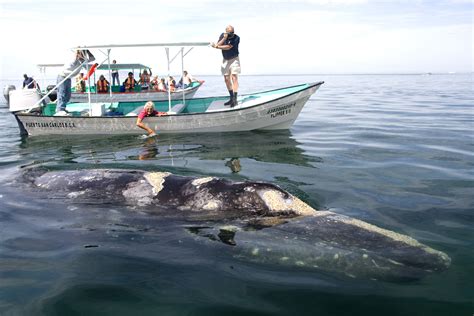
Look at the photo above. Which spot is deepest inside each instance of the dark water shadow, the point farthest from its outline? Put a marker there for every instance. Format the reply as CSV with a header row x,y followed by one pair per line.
x,y
262,146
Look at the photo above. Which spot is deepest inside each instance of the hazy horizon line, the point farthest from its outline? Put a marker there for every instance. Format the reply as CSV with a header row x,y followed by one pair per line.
x,y
305,74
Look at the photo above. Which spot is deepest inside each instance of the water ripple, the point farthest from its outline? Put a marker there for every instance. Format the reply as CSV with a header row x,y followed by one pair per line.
x,y
396,151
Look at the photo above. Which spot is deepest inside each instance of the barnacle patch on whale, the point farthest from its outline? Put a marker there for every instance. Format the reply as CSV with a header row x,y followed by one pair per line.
x,y
276,202
197,182
156,179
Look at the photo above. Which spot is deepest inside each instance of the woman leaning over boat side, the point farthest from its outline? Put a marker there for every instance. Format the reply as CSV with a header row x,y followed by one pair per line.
x,y
148,110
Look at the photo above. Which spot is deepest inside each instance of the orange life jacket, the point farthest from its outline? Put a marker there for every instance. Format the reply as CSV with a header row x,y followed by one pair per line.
x,y
102,85
172,85
129,83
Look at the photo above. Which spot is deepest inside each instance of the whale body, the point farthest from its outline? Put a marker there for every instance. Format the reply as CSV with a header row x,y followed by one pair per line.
x,y
255,221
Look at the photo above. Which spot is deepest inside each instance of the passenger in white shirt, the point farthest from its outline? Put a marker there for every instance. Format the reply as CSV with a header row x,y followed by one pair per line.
x,y
186,80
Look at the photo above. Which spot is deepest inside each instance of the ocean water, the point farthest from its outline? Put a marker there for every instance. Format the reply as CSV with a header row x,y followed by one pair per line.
x,y
396,151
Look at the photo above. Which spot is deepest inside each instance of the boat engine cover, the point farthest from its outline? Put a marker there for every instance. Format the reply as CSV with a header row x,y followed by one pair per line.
x,y
24,99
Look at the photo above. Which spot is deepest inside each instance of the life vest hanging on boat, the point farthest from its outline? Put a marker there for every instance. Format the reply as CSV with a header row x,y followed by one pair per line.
x,y
91,71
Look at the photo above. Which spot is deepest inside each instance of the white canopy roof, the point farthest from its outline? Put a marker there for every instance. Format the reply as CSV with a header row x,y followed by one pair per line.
x,y
182,44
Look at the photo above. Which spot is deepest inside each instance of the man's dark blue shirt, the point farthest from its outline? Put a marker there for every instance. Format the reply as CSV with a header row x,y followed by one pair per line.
x,y
28,82
234,51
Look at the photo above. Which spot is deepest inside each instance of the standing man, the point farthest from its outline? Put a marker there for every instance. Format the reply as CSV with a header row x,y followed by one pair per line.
x,y
115,73
229,44
70,69
28,83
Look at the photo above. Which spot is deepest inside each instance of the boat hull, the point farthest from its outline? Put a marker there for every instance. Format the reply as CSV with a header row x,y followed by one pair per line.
x,y
275,114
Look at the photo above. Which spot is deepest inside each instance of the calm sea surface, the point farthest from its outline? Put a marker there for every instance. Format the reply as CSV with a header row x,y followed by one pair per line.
x,y
396,151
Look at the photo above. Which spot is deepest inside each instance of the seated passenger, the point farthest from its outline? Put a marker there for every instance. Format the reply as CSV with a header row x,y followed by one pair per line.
x,y
102,85
186,80
80,83
145,79
162,85
130,82
171,84
154,83
148,110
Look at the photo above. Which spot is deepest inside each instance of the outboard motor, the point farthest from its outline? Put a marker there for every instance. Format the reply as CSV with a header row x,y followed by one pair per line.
x,y
54,95
23,99
6,92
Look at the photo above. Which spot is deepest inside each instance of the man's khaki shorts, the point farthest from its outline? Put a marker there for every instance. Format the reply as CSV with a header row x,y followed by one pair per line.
x,y
231,66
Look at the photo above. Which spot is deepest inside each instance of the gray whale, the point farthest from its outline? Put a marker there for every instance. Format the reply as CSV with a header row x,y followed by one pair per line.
x,y
259,221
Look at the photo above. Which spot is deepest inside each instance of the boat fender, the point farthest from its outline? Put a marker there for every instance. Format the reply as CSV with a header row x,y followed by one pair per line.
x,y
6,92
91,71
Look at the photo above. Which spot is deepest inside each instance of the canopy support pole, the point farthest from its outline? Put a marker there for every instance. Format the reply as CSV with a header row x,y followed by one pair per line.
x,y
43,78
182,73
110,74
188,51
169,91
89,92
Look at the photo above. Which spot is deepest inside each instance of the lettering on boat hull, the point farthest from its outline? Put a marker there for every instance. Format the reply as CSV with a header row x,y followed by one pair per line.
x,y
281,110
50,124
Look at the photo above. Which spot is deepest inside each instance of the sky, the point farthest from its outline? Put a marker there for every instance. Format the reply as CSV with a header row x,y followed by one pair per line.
x,y
277,37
